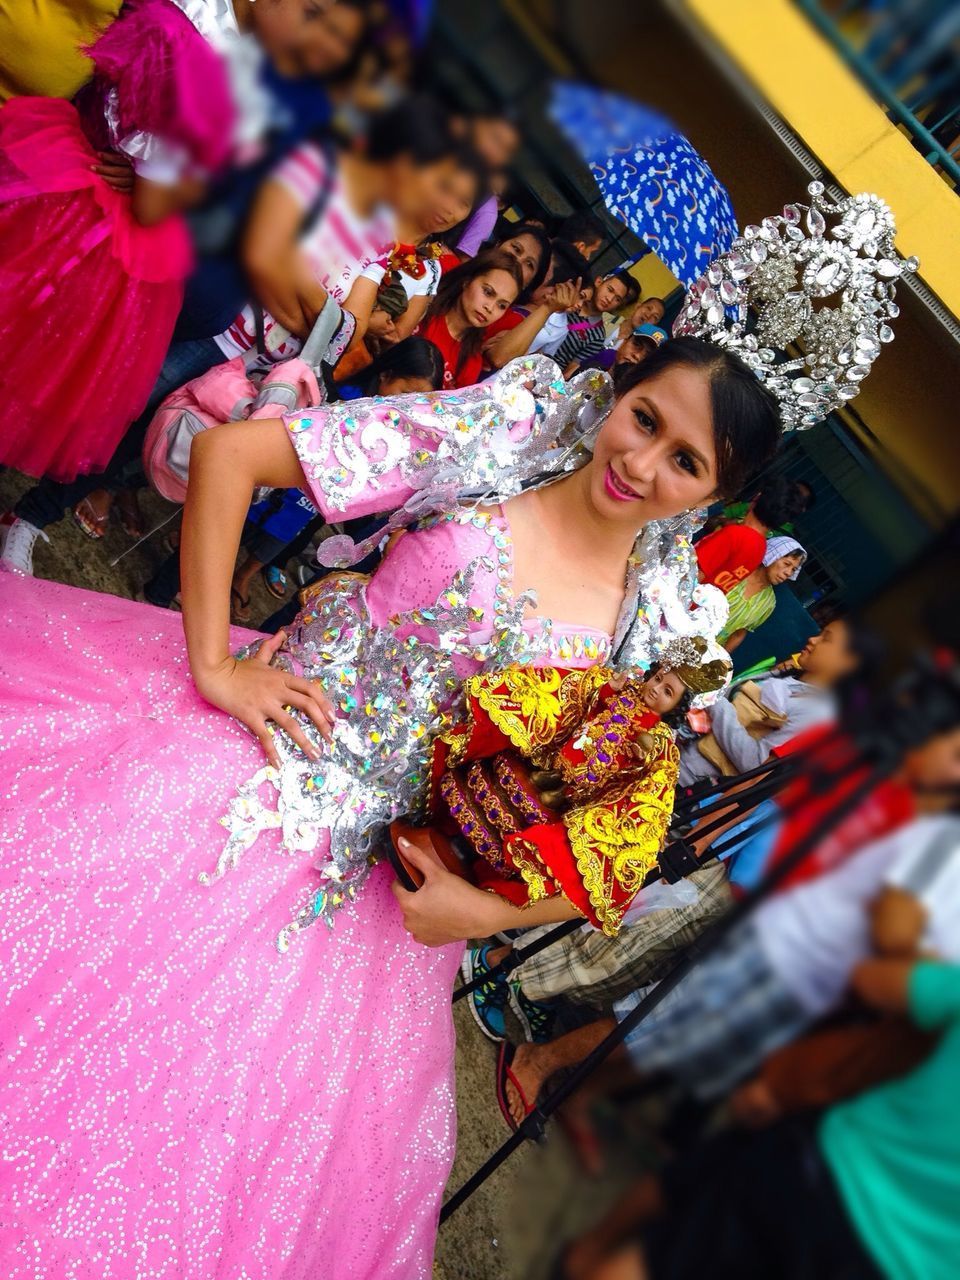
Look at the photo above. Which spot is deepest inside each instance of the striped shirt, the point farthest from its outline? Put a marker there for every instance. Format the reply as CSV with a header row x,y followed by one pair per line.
x,y
338,246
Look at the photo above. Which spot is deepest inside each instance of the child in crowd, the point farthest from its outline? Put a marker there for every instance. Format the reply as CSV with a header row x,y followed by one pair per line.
x,y
467,301
272,539
317,222
647,311
561,782
635,346
540,324
587,334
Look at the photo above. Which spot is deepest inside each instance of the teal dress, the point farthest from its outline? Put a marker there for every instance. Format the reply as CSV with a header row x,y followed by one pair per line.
x,y
895,1151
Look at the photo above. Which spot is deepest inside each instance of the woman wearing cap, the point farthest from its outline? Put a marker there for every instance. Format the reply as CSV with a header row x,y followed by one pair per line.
x,y
753,599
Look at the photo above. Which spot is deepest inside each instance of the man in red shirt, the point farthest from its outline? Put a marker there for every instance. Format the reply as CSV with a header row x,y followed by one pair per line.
x,y
733,552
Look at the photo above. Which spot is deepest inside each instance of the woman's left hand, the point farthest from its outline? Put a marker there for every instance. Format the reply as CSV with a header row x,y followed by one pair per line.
x,y
116,170
445,908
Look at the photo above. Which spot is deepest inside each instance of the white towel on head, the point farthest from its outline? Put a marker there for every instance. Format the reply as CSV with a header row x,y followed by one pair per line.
x,y
777,548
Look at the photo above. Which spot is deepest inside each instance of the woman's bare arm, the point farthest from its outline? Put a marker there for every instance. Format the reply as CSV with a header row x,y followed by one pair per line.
x,y
226,464
416,309
274,263
447,909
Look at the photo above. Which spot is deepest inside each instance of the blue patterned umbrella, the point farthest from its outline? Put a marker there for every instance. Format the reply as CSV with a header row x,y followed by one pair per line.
x,y
650,176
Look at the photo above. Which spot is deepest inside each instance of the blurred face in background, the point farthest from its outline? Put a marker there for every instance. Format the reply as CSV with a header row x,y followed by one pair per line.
x,y
632,350
495,140
828,656
527,253
435,197
935,766
304,37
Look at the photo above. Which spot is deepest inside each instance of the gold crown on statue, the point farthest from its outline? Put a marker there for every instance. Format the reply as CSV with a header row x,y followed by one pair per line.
x,y
700,666
769,291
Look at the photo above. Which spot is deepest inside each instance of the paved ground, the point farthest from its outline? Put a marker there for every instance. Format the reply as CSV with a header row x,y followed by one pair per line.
x,y
510,1228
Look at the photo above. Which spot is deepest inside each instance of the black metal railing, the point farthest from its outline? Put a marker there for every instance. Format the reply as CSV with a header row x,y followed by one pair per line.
x,y
907,53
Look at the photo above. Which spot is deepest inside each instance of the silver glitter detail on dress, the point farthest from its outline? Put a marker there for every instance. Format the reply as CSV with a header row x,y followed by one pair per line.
x,y
397,681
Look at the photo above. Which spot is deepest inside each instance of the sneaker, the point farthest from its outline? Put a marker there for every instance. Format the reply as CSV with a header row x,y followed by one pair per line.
x,y
535,1018
488,1002
17,539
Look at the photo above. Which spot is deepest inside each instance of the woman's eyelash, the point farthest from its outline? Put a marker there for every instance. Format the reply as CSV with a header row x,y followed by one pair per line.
x,y
643,419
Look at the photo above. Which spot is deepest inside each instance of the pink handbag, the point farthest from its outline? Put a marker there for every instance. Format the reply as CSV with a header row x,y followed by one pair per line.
x,y
228,393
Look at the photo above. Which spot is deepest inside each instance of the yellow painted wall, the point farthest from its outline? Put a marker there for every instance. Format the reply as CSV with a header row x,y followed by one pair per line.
x,y
827,107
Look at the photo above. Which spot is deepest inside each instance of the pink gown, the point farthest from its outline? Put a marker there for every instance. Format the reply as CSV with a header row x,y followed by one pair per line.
x,y
178,1098
89,296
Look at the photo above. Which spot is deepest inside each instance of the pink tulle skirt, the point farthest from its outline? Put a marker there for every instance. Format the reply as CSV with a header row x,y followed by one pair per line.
x,y
178,1100
88,296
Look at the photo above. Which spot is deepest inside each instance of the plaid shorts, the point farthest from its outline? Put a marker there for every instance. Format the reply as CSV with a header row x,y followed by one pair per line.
x,y
593,969
729,1012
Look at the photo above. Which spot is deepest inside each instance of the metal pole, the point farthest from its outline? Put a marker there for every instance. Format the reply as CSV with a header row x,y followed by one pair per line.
x,y
533,1124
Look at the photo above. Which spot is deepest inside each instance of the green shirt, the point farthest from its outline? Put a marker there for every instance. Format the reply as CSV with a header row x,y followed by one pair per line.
x,y
895,1151
747,614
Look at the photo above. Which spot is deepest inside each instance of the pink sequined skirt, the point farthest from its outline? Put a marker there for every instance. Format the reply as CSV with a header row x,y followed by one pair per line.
x,y
88,297
177,1099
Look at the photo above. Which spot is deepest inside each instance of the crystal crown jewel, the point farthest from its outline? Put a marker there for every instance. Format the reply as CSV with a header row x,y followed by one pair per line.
x,y
783,272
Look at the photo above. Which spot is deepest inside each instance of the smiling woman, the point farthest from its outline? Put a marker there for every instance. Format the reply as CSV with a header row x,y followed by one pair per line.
x,y
194,1032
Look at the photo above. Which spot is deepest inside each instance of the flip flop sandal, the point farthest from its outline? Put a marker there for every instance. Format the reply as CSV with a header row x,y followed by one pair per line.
x,y
129,514
88,521
275,580
241,610
504,1075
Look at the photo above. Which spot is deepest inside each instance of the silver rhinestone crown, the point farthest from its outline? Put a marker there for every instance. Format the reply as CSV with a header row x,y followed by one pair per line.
x,y
783,271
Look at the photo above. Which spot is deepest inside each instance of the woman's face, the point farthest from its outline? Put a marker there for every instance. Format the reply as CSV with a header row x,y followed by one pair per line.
x,y
487,297
829,655
307,37
655,455
782,570
435,197
527,253
396,385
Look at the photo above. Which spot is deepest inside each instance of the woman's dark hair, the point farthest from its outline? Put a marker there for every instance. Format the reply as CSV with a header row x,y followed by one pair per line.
x,y
453,283
746,417
467,159
543,244
778,502
417,126
412,358
568,264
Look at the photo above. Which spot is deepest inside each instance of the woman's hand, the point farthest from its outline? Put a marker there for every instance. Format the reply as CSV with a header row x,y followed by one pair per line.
x,y
254,693
566,296
445,908
116,170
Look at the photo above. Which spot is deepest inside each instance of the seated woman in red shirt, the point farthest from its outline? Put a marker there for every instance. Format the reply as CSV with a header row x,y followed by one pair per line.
x,y
467,301
732,553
